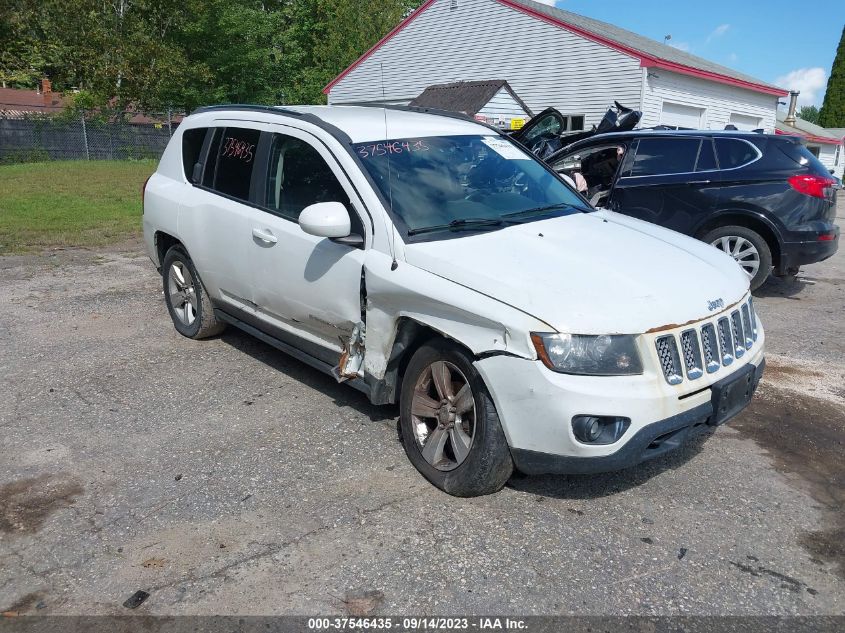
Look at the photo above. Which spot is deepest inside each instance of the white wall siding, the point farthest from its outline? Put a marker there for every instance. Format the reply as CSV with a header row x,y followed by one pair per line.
x,y
483,39
719,101
827,157
503,107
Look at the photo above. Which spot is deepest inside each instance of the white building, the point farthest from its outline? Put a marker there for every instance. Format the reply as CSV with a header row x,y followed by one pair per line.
x,y
826,144
552,57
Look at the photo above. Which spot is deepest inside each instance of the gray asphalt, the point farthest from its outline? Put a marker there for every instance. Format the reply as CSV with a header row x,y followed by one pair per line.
x,y
224,477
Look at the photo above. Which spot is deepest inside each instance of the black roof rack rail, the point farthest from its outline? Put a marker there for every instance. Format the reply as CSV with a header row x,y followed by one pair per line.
x,y
248,107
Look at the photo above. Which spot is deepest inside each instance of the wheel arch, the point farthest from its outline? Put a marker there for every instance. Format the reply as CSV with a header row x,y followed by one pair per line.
x,y
749,220
164,242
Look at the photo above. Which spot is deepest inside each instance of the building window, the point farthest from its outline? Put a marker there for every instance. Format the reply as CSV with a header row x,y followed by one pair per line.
x,y
453,5
814,150
837,156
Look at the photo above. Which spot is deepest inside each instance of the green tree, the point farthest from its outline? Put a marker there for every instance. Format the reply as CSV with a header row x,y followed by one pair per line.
x,y
152,54
809,113
832,113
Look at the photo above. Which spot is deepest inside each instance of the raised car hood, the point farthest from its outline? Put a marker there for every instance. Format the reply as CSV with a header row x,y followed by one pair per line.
x,y
593,273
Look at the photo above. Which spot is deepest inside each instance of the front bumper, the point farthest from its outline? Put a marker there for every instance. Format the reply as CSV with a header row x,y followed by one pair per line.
x,y
536,407
651,441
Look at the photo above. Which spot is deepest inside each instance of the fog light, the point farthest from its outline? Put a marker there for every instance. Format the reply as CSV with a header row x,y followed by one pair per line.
x,y
599,429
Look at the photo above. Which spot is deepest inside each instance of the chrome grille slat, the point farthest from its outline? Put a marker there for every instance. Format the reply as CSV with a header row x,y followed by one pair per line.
x,y
753,318
746,326
711,348
670,362
692,354
738,334
726,344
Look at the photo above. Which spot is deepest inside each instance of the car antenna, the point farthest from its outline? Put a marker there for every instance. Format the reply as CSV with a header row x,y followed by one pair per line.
x,y
394,265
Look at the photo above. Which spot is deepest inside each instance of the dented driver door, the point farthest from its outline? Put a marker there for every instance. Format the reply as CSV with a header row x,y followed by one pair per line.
x,y
307,285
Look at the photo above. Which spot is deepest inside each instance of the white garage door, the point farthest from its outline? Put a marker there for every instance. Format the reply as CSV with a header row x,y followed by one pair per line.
x,y
745,122
677,115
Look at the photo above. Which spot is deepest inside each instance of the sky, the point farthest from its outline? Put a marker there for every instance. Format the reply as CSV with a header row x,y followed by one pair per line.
x,y
764,39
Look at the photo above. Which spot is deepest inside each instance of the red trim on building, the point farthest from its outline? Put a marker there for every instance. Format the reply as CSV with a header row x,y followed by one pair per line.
x,y
646,61
413,16
824,140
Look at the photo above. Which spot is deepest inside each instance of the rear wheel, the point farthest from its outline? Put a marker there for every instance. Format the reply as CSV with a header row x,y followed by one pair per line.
x,y
449,425
747,247
186,298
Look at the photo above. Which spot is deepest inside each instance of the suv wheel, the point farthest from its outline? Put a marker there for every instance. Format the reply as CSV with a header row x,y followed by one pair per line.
x,y
747,247
186,298
449,425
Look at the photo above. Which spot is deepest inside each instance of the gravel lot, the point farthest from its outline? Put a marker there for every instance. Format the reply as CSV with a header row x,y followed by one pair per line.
x,y
224,477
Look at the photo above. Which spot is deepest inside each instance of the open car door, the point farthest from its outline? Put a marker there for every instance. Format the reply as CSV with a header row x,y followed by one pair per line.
x,y
546,136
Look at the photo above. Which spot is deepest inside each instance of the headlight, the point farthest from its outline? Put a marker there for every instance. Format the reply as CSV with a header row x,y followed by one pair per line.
x,y
606,355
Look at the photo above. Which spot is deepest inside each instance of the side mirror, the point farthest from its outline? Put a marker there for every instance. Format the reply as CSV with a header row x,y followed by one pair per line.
x,y
325,219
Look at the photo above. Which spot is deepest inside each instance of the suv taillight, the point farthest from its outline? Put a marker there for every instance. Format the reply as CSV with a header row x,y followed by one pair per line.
x,y
144,190
810,184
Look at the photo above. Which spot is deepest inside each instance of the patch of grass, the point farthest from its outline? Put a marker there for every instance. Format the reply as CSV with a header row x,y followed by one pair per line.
x,y
70,203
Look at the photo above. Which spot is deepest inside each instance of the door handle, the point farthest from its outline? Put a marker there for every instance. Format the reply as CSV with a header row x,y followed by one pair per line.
x,y
264,236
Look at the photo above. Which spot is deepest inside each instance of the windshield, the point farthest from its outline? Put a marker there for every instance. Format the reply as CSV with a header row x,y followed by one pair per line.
x,y
464,183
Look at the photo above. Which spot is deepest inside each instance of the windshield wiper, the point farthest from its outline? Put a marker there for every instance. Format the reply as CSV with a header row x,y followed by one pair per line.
x,y
457,225
548,207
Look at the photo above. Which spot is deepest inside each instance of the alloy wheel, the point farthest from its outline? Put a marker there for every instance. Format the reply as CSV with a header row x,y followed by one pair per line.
x,y
443,415
742,250
183,295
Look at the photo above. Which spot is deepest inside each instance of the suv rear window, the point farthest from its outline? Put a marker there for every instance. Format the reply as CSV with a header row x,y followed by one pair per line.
x,y
733,152
192,141
235,160
802,156
665,156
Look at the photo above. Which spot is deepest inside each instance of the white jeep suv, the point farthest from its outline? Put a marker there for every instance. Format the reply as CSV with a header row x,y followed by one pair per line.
x,y
425,258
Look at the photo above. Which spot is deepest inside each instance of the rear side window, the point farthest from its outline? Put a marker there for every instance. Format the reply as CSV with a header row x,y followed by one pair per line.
x,y
665,156
801,155
235,161
733,152
192,141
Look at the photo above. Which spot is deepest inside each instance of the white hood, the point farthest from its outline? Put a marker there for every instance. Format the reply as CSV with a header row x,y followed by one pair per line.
x,y
593,273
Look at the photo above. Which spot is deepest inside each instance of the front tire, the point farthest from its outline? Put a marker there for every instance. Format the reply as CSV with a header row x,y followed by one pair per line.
x,y
747,247
187,301
449,425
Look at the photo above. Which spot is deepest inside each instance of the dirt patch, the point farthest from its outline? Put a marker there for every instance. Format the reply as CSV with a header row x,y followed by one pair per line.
x,y
362,603
776,371
805,436
26,504
21,606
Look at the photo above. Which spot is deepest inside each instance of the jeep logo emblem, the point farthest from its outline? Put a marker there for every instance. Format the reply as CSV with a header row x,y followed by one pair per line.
x,y
715,304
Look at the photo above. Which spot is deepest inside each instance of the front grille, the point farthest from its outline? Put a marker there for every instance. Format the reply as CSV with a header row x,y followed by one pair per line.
x,y
711,346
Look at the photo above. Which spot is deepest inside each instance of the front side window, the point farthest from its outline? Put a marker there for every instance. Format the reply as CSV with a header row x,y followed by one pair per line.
x,y
235,150
665,156
299,177
452,181
734,152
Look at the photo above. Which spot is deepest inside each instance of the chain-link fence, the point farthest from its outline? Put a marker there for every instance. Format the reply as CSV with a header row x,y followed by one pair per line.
x,y
27,136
